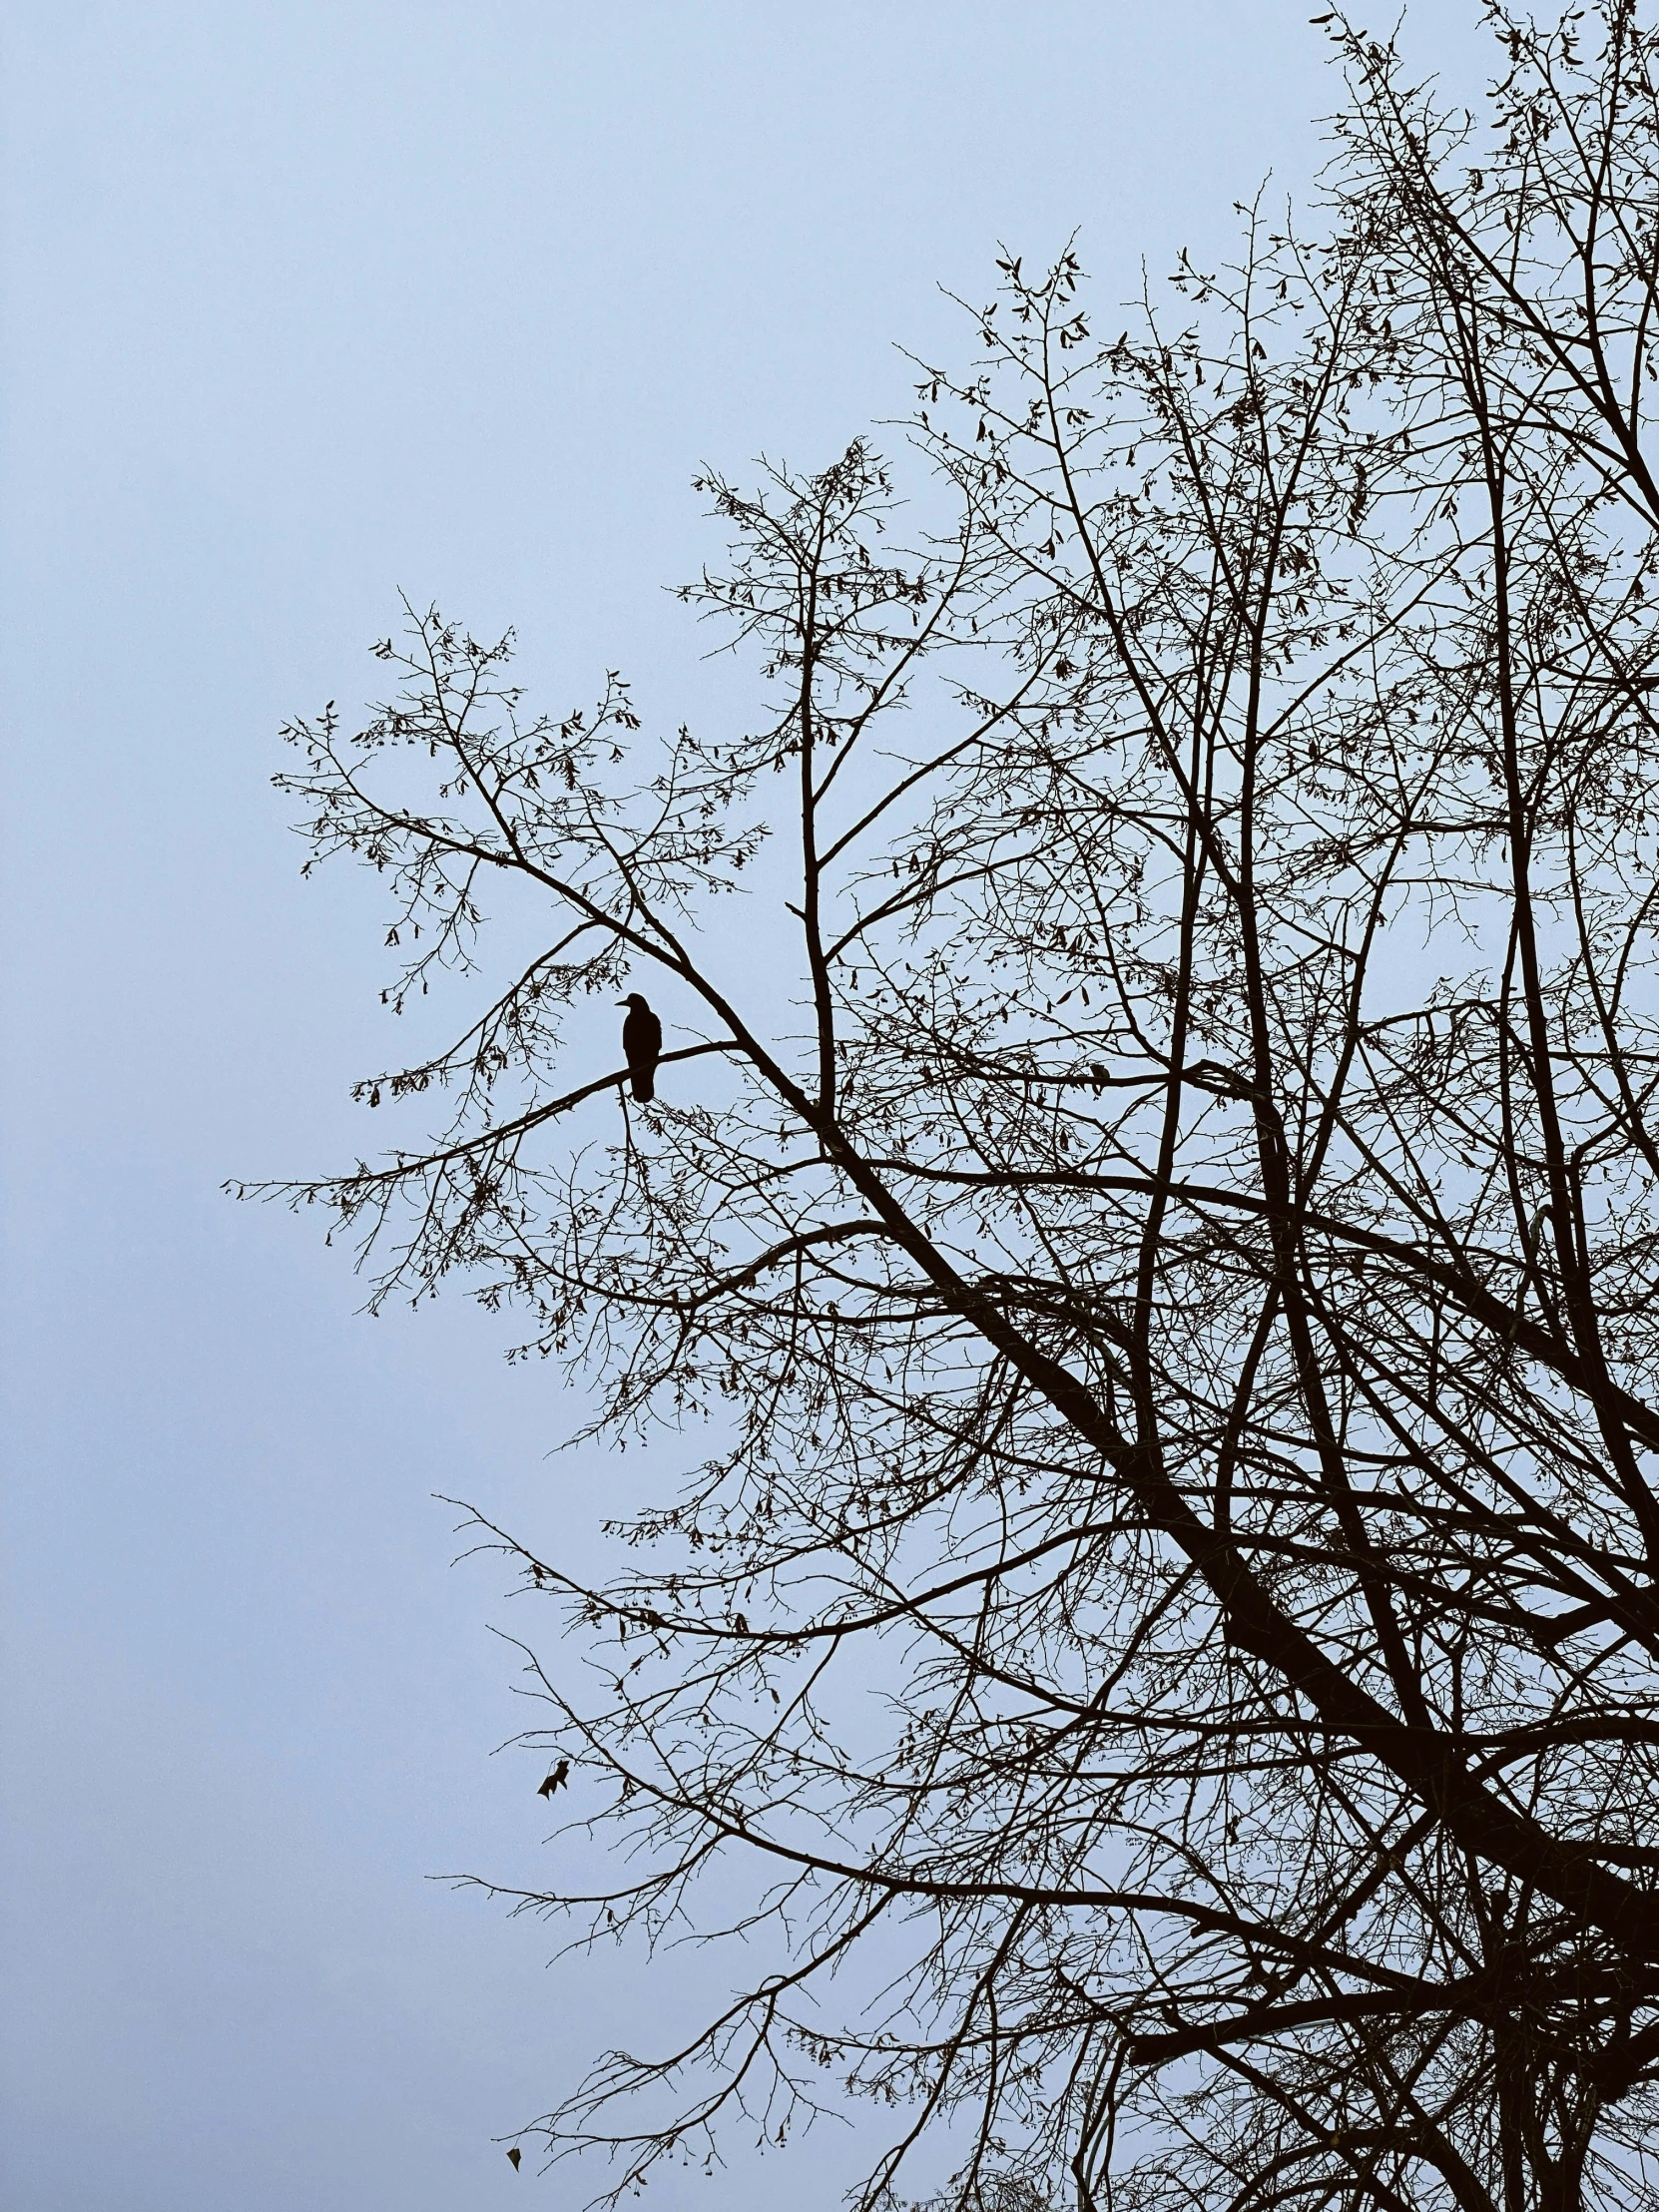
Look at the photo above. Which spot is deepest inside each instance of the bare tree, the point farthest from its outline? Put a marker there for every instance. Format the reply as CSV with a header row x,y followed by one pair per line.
x,y
1163,1635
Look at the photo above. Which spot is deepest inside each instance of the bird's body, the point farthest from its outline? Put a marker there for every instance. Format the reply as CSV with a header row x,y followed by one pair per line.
x,y
642,1045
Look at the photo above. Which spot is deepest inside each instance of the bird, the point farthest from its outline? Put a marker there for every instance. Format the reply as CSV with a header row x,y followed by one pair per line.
x,y
559,1779
642,1045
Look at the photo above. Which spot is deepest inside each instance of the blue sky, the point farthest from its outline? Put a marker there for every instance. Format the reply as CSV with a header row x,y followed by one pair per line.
x,y
305,304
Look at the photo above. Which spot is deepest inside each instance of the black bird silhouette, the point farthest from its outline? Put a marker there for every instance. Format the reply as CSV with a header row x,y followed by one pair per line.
x,y
642,1045
558,1779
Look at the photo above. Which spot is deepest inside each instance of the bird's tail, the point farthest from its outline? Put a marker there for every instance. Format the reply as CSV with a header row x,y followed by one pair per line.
x,y
645,1088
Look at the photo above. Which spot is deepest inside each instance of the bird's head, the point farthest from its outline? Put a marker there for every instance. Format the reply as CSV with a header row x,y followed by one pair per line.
x,y
633,998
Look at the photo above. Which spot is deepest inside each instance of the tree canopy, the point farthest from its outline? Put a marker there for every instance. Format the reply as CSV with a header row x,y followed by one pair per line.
x,y
1159,1633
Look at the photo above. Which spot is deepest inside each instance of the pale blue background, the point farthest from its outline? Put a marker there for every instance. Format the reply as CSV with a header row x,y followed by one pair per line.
x,y
305,302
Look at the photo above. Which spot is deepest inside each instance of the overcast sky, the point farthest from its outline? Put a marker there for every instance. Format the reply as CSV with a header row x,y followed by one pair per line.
x,y
305,304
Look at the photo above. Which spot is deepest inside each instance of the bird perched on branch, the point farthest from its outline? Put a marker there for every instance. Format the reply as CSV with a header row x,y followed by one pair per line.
x,y
642,1045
